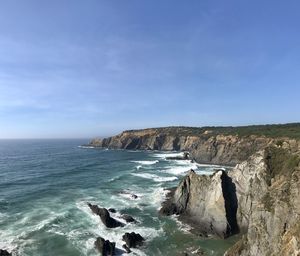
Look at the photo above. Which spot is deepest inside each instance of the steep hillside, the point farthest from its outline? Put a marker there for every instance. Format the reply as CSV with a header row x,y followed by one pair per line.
x,y
217,145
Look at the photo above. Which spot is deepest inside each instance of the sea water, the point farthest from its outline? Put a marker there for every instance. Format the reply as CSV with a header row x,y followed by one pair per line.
x,y
45,186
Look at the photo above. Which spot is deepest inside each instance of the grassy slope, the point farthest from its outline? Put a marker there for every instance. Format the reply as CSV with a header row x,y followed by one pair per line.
x,y
291,130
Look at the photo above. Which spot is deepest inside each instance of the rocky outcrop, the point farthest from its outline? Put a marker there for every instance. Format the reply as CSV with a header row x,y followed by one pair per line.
x,y
105,247
4,253
269,203
104,215
207,203
202,147
133,240
259,198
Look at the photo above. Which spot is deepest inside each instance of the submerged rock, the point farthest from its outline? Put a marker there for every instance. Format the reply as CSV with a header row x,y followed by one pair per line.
x,y
4,253
104,215
128,218
133,240
105,247
133,196
112,210
128,194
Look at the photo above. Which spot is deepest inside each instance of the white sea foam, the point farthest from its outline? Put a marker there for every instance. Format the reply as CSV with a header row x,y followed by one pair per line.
x,y
158,196
182,226
180,170
154,177
213,166
167,154
7,242
98,229
85,147
129,195
146,162
138,167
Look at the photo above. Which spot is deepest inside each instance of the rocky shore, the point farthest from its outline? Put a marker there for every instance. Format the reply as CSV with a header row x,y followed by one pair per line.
x,y
203,147
258,198
108,248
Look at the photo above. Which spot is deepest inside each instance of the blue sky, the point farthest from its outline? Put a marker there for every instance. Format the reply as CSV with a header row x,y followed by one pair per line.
x,y
93,68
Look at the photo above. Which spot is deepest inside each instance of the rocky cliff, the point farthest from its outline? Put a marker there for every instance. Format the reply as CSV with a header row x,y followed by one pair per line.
x,y
204,146
259,198
206,203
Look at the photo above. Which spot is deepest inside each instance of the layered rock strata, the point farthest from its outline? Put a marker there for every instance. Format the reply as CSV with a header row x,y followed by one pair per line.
x,y
260,198
204,148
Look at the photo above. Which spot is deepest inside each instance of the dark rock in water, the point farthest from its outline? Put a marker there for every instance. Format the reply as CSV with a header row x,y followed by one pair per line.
x,y
125,247
105,247
133,240
143,205
128,218
134,196
105,216
112,210
130,195
168,206
4,253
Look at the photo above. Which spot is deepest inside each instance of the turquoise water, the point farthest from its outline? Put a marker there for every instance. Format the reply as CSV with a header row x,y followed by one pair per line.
x,y
45,186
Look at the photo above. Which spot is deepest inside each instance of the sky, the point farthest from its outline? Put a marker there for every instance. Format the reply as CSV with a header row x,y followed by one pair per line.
x,y
80,69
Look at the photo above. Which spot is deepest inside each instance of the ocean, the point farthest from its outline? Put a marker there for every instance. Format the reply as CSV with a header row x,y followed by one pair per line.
x,y
45,186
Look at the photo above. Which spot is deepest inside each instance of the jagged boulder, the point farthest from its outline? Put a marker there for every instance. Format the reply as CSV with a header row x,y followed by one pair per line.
x,y
133,240
207,203
104,215
105,247
4,253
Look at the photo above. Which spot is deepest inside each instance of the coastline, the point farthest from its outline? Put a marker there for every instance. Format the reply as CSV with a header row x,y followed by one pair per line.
x,y
55,209
229,203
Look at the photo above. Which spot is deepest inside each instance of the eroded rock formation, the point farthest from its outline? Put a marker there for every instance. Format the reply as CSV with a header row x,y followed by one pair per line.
x,y
104,215
208,203
105,247
204,148
133,240
259,198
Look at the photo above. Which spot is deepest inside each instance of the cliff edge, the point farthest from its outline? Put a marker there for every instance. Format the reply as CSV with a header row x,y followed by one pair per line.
x,y
259,198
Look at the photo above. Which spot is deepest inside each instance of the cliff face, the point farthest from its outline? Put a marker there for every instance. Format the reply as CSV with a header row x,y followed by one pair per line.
x,y
206,203
269,204
259,197
204,147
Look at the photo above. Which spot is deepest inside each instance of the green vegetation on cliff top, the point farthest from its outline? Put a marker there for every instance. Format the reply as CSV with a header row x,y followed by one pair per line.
x,y
291,130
